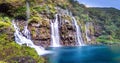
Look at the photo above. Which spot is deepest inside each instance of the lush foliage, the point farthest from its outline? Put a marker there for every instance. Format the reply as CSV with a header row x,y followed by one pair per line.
x,y
109,20
9,49
106,19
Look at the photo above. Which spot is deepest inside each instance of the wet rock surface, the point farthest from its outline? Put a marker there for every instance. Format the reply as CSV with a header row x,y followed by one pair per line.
x,y
41,32
67,34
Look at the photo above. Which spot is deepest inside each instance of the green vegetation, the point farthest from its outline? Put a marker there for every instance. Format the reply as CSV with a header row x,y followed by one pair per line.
x,y
79,10
109,20
2,62
106,22
9,49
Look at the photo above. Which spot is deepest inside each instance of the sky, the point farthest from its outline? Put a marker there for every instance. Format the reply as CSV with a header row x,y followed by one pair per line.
x,y
101,3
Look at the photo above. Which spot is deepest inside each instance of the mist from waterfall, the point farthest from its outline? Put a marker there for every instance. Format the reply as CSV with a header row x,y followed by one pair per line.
x,y
87,31
55,38
79,39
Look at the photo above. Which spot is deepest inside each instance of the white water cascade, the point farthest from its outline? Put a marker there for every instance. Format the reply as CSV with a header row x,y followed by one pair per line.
x,y
55,38
26,32
28,9
24,36
21,39
87,31
79,39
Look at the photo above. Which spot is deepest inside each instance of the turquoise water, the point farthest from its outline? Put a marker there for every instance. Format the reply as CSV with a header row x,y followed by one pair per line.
x,y
85,54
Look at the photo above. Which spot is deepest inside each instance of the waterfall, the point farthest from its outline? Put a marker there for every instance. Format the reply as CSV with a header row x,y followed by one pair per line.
x,y
55,38
79,39
26,32
24,36
28,9
21,39
87,31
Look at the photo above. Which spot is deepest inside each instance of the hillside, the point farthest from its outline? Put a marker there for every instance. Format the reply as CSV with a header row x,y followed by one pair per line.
x,y
109,21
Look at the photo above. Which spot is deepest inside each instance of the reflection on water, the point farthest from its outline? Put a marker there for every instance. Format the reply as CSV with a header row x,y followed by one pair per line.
x,y
85,54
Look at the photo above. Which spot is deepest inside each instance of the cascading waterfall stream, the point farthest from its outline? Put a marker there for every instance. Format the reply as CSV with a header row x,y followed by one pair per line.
x,y
87,31
28,9
24,37
55,38
26,32
21,39
79,39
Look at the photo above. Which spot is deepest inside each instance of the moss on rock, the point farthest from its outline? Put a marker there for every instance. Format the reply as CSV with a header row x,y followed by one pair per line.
x,y
9,49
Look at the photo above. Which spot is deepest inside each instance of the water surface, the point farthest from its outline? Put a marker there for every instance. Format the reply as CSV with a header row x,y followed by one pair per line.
x,y
85,54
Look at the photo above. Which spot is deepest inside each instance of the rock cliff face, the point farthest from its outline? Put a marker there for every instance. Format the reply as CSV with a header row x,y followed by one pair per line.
x,y
41,31
67,33
40,17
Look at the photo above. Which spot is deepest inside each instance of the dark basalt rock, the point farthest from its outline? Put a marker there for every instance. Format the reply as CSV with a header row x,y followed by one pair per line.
x,y
6,8
20,17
